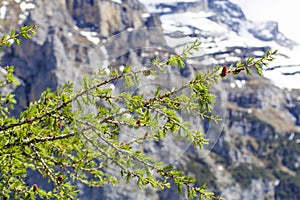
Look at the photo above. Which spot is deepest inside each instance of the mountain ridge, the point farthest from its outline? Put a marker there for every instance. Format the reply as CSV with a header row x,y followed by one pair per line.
x,y
221,25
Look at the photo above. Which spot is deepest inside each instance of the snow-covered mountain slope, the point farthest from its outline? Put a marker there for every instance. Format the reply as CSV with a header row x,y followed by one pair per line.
x,y
227,35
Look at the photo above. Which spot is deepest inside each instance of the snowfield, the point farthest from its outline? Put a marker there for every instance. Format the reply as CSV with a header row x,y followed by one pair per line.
x,y
284,71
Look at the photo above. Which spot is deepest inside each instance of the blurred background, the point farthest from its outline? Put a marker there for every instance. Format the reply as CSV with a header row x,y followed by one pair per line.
x,y
254,153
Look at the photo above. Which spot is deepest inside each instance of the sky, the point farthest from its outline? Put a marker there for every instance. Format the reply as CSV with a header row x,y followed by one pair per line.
x,y
285,12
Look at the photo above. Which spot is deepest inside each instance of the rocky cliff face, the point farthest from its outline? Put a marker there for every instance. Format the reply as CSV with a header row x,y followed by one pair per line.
x,y
258,139
254,153
68,32
257,153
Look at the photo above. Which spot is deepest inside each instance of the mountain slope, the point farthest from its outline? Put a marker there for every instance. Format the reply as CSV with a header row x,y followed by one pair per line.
x,y
257,155
223,29
253,154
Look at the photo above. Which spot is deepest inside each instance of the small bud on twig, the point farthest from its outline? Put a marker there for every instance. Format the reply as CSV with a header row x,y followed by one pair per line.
x,y
224,71
35,187
59,124
59,179
138,122
30,119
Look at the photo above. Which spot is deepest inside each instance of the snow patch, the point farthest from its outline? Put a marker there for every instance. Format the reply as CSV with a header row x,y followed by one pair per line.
x,y
258,53
121,68
107,71
199,20
25,5
5,3
232,85
76,28
276,182
117,1
220,168
3,10
22,17
112,86
291,137
91,36
239,84
146,15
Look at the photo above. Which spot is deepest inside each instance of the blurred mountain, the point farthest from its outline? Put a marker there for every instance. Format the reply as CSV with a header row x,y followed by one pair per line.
x,y
254,153
227,35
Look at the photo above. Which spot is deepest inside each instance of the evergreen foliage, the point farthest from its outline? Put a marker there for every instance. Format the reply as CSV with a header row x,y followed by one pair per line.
x,y
56,138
